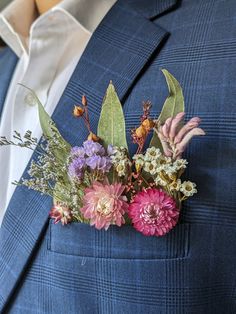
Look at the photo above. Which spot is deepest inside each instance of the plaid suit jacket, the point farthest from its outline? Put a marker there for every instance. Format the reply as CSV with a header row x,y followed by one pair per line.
x,y
46,268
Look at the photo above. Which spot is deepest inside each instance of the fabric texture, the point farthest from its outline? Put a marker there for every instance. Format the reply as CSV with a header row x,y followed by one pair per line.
x,y
47,268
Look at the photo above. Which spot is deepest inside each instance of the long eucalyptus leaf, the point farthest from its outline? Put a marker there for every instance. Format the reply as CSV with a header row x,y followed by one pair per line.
x,y
47,124
50,131
111,126
173,105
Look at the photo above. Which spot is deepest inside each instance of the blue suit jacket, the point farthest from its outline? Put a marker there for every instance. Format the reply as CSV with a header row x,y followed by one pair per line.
x,y
47,268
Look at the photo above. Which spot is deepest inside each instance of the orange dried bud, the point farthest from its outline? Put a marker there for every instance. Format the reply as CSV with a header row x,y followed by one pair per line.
x,y
140,132
84,101
93,137
78,111
148,124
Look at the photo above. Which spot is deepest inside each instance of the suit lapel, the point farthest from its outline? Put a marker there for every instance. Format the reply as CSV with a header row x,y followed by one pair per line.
x,y
8,62
117,51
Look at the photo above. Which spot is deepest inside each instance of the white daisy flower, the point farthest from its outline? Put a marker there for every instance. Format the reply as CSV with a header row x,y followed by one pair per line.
x,y
121,168
160,181
180,164
138,157
149,167
169,169
152,153
167,160
139,162
175,186
188,188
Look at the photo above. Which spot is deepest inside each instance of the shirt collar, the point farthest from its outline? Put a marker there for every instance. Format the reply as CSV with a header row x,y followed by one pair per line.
x,y
15,30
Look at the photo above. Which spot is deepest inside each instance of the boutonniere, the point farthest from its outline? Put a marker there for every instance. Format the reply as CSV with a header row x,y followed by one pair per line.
x,y
99,182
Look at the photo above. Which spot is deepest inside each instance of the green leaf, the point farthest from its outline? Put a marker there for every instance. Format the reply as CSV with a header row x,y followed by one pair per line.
x,y
155,141
50,131
173,105
49,128
111,126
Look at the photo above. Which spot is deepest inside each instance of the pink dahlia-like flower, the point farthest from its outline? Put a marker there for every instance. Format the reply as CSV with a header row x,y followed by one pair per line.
x,y
153,212
61,214
104,205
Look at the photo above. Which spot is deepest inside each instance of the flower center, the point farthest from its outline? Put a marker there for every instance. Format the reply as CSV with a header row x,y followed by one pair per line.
x,y
188,187
151,213
104,206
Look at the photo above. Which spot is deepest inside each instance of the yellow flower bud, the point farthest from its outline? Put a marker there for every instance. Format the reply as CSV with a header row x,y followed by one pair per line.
x,y
78,111
93,137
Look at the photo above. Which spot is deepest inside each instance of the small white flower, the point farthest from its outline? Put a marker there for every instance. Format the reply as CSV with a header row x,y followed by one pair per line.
x,y
139,162
114,159
169,169
175,186
180,164
121,168
152,153
150,168
138,157
188,188
168,160
160,181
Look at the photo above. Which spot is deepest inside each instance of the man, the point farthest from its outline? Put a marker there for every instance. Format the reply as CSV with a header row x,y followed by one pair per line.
x,y
47,268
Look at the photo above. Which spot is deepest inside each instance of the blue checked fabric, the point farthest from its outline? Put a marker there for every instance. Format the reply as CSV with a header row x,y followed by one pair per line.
x,y
47,268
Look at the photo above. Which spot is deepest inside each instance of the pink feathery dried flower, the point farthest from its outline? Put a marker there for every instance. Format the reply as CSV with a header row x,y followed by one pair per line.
x,y
175,136
104,205
61,214
153,212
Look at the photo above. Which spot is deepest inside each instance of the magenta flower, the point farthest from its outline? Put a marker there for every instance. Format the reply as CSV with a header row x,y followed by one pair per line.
x,y
153,212
174,135
61,214
104,205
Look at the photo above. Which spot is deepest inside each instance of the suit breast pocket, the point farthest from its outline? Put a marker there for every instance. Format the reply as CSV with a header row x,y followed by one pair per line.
x,y
81,240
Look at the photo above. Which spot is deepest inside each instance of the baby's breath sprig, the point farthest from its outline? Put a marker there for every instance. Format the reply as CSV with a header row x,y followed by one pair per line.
x,y
27,140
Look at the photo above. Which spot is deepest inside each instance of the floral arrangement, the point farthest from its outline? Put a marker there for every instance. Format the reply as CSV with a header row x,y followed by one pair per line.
x,y
99,182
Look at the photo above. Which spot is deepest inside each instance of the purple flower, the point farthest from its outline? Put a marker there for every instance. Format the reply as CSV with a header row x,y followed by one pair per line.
x,y
77,152
100,163
110,150
76,167
93,148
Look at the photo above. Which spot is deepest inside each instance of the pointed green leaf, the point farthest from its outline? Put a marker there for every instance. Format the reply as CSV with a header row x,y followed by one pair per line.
x,y
48,126
49,131
111,126
155,141
172,106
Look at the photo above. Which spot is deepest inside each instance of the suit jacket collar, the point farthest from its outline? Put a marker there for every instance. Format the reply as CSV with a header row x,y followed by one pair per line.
x,y
8,62
118,51
152,8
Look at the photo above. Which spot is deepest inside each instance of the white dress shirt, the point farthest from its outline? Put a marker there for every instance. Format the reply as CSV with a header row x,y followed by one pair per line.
x,y
49,47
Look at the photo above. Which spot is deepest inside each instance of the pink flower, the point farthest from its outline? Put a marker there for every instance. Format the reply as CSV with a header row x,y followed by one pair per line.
x,y
153,212
175,136
104,205
61,214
